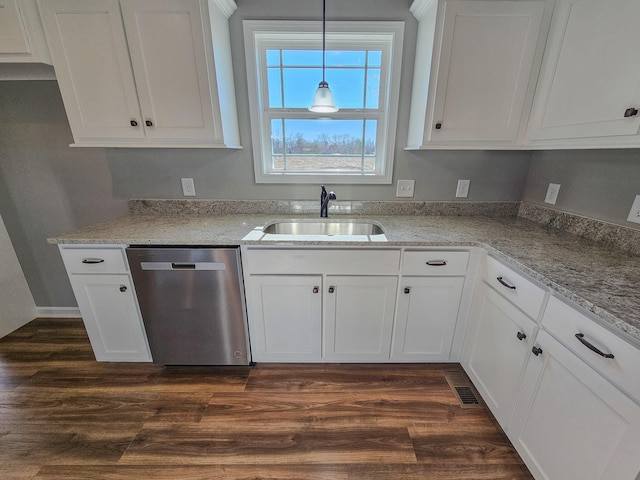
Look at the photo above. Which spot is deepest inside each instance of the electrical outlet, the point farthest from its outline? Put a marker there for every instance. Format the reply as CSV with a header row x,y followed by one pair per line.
x,y
552,193
405,188
463,188
634,214
188,188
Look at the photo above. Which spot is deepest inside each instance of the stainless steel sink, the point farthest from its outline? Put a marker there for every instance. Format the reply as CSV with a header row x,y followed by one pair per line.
x,y
323,228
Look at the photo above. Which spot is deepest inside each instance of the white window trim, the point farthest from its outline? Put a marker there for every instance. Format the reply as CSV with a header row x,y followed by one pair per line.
x,y
260,139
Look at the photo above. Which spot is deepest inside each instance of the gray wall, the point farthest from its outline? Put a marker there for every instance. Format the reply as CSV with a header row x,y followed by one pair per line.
x,y
47,188
600,184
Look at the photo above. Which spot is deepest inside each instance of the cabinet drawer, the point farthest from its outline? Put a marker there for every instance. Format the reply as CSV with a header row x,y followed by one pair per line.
x,y
358,262
437,263
520,291
564,322
94,260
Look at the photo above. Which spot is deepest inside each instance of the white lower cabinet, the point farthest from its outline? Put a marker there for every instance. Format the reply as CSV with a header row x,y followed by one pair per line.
x,y
110,313
106,297
359,318
569,422
497,346
339,304
426,318
285,316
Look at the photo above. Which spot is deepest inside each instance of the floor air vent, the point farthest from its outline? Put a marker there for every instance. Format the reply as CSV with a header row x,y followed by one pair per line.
x,y
466,396
463,388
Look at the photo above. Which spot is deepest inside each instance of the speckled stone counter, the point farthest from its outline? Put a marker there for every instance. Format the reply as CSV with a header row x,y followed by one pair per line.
x,y
602,280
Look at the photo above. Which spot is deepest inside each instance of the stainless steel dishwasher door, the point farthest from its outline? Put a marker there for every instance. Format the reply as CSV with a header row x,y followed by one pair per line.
x,y
192,304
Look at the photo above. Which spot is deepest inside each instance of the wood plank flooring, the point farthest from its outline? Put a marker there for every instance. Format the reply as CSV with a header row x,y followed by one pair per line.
x,y
65,416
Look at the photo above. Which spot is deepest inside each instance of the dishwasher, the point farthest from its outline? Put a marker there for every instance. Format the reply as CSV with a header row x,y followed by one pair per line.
x,y
192,304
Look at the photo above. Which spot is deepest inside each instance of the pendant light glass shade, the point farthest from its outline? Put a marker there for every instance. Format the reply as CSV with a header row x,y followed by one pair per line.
x,y
323,98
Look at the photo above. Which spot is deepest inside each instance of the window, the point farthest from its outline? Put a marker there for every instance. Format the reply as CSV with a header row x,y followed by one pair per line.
x,y
284,66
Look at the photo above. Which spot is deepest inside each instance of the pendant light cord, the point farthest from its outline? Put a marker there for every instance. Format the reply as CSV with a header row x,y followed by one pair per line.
x,y
324,16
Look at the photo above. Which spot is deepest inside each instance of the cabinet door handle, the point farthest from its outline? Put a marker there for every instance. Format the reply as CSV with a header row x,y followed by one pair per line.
x,y
92,261
506,283
332,289
316,289
536,351
134,123
123,288
439,126
148,123
521,336
437,263
580,337
407,289
630,112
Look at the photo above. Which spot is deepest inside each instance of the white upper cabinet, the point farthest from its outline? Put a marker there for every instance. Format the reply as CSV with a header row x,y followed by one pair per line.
x,y
21,36
589,88
475,71
144,72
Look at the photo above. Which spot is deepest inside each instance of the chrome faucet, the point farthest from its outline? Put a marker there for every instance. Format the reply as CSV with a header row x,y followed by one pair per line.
x,y
324,201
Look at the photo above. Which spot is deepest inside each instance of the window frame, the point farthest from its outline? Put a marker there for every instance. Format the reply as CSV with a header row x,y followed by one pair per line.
x,y
261,35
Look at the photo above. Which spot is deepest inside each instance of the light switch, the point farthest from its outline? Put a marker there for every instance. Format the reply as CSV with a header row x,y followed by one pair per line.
x,y
405,188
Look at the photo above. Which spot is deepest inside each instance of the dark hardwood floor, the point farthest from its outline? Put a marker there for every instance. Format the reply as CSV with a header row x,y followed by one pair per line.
x,y
65,416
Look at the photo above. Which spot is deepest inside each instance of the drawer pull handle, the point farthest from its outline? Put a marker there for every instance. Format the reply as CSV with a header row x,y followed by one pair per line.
x,y
521,336
332,289
536,351
506,283
316,289
92,261
437,263
580,336
123,288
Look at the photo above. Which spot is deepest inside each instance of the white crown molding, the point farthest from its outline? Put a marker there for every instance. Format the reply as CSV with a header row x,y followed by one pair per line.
x,y
227,7
419,8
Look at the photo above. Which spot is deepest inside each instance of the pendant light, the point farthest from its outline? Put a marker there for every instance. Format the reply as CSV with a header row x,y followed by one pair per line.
x,y
323,98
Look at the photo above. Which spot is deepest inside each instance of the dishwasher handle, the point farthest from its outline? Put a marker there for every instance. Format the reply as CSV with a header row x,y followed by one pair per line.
x,y
183,266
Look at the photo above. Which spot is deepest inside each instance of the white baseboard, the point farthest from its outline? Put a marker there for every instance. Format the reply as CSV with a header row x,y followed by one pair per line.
x,y
58,312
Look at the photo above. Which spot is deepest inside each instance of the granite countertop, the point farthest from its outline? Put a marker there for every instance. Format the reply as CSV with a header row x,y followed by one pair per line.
x,y
603,280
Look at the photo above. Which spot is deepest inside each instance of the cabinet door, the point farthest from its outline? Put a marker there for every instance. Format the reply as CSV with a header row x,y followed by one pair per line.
x,y
569,422
590,74
170,63
359,318
484,66
498,344
285,318
110,312
91,61
426,318
13,36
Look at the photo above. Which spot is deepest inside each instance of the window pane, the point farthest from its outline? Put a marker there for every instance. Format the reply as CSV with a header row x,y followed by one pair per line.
x,y
302,57
375,58
370,136
299,86
347,86
323,145
373,88
274,88
273,58
345,58
277,135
